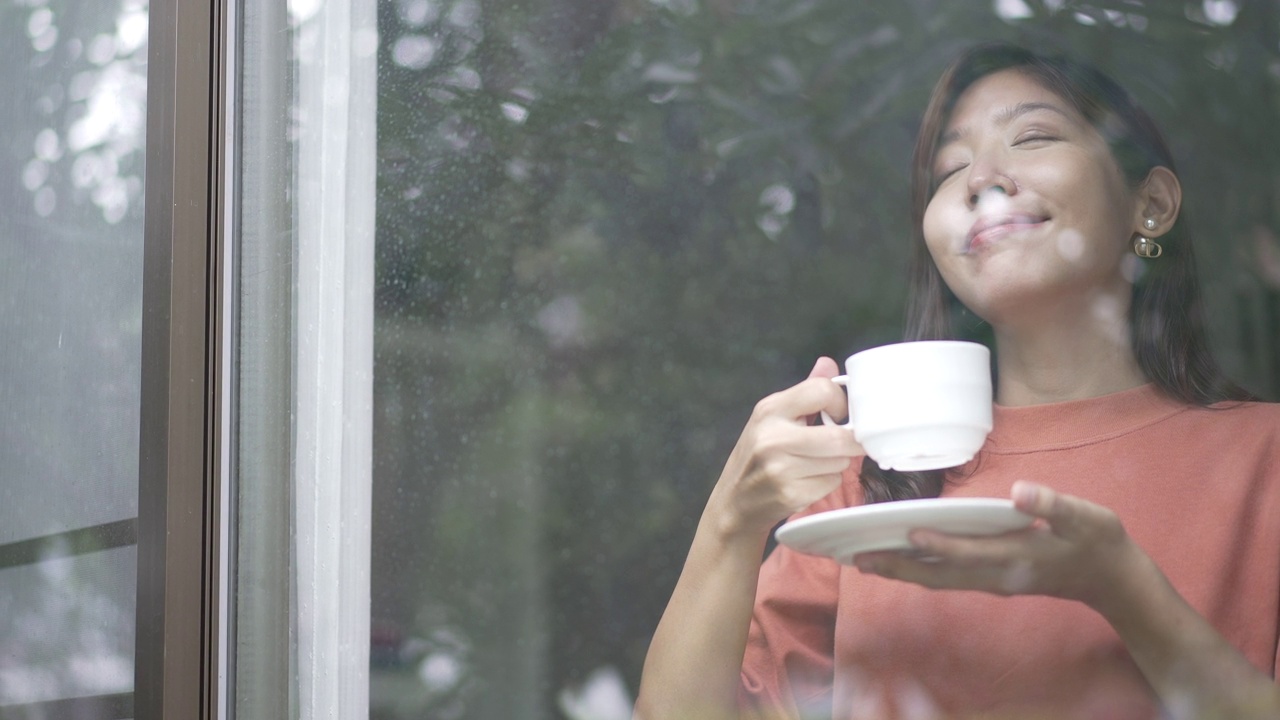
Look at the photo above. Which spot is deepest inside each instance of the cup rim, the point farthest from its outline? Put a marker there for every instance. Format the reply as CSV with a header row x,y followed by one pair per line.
x,y
959,345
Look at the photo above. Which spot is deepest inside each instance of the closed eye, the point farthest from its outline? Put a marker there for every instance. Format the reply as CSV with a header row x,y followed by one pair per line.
x,y
1034,138
942,175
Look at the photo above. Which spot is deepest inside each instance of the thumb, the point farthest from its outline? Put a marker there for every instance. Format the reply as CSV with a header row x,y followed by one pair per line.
x,y
825,367
1067,515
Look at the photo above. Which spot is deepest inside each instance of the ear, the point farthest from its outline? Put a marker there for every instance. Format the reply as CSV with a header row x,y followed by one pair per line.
x,y
1159,198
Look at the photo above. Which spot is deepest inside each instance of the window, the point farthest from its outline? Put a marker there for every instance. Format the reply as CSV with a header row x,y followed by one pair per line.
x,y
71,235
395,379
604,230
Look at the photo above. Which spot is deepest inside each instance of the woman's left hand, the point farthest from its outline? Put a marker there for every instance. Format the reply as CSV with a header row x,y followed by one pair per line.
x,y
1075,550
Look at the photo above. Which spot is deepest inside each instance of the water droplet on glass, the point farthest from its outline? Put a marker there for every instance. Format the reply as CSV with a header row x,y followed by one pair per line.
x,y
1012,9
779,199
47,145
45,40
1071,245
41,20
1221,12
131,31
102,50
465,13
515,113
416,13
1131,267
34,174
414,52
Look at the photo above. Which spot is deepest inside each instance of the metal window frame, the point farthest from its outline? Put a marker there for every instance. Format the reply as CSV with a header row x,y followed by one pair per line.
x,y
180,464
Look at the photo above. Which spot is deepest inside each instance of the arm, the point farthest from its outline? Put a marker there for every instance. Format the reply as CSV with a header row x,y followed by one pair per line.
x,y
1080,551
692,668
1193,669
779,466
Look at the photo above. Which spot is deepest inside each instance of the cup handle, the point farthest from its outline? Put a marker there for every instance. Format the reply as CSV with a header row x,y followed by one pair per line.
x,y
826,419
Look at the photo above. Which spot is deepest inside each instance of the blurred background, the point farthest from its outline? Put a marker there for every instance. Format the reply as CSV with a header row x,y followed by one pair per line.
x,y
72,149
606,228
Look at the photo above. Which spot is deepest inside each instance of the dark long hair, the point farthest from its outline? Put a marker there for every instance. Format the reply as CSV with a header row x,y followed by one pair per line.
x,y
1165,315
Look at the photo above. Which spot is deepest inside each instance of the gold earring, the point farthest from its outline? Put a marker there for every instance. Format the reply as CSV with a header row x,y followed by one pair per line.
x,y
1145,247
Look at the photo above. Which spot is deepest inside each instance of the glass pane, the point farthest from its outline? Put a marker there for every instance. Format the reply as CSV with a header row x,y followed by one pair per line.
x,y
71,227
68,627
605,230
70,274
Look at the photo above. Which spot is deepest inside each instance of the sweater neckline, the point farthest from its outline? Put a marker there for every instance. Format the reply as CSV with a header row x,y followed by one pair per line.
x,y
1078,422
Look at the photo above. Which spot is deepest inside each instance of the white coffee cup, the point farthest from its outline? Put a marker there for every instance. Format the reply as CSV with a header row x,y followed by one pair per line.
x,y
919,405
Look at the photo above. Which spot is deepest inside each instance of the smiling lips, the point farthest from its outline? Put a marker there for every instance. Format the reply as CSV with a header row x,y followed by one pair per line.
x,y
987,229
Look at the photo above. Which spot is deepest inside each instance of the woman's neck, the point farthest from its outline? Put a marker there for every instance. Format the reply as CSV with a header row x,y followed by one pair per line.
x,y
1076,356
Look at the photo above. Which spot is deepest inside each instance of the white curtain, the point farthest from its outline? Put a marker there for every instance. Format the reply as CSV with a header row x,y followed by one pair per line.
x,y
304,184
335,44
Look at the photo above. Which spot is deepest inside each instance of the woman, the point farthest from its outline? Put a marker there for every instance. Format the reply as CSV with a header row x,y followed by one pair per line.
x,y
1047,204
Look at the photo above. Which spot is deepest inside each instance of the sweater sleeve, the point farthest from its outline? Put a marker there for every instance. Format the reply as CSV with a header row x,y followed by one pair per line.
x,y
788,666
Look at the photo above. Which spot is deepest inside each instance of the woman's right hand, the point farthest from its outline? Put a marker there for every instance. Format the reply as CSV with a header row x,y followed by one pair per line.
x,y
781,464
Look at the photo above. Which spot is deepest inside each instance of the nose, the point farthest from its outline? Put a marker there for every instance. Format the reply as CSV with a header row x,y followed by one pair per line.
x,y
988,175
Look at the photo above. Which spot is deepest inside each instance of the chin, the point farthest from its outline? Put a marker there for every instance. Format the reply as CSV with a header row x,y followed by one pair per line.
x,y
1006,303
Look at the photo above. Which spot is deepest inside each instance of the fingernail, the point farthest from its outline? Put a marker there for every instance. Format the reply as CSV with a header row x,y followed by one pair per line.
x,y
1025,492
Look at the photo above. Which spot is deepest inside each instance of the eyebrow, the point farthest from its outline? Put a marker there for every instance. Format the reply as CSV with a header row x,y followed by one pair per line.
x,y
1004,117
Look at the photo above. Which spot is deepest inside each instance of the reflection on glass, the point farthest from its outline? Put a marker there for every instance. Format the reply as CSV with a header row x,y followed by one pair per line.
x,y
605,229
68,627
72,263
71,172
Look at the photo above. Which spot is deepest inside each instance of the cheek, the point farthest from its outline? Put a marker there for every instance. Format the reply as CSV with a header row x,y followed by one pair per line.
x,y
944,227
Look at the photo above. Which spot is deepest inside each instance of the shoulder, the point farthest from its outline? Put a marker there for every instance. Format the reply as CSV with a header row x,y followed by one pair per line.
x,y
1264,415
1243,428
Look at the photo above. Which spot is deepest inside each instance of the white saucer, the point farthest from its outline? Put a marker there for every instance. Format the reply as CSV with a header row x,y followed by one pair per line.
x,y
843,533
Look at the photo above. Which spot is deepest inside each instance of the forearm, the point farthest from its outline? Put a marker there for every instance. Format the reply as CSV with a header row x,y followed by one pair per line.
x,y
694,662
1194,670
779,466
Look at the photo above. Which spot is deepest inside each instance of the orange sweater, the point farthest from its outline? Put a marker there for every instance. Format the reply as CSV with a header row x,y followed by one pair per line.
x,y
1197,488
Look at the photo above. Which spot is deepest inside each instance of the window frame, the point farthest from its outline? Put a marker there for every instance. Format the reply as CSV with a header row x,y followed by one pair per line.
x,y
181,546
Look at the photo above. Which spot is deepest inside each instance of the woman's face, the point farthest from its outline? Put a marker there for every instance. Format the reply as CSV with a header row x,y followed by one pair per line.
x,y
1031,210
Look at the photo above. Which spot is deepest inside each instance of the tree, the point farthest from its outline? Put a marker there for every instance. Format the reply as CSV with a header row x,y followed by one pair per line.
x,y
606,228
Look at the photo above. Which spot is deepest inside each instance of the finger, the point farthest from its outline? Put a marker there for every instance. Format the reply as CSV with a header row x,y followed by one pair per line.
x,y
808,490
924,571
933,542
822,468
805,398
786,465
1067,515
819,441
937,573
968,550
825,367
